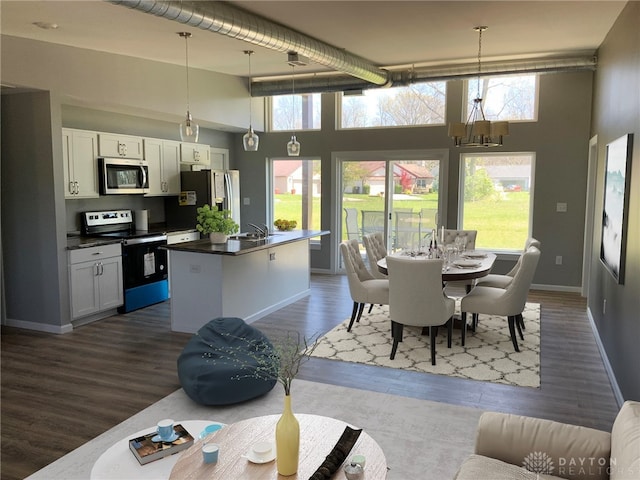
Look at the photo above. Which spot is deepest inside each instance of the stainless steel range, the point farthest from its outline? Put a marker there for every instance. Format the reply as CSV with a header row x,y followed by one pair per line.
x,y
144,263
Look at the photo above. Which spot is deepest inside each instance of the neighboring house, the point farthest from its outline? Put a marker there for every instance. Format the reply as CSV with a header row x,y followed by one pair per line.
x,y
288,177
513,177
411,176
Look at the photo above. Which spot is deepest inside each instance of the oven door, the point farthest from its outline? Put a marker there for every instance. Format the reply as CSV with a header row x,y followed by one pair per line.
x,y
123,176
143,261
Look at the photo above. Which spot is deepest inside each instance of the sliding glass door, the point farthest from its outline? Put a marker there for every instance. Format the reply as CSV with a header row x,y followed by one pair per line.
x,y
397,194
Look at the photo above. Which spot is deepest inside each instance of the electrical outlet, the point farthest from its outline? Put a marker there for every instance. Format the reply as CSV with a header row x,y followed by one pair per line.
x,y
561,207
194,268
559,260
246,201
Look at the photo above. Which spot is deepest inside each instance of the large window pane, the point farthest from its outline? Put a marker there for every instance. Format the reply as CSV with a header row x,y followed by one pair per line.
x,y
295,112
496,198
506,97
296,192
417,104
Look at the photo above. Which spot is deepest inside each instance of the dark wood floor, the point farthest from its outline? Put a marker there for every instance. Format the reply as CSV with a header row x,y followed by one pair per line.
x,y
81,384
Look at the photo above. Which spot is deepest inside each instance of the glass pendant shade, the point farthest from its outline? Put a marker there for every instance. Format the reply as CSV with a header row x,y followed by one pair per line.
x,y
293,147
250,141
189,130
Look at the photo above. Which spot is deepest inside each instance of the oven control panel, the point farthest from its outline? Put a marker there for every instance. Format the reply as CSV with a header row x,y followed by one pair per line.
x,y
110,217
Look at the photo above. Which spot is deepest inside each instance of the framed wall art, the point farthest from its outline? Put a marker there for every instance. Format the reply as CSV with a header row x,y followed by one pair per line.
x,y
615,208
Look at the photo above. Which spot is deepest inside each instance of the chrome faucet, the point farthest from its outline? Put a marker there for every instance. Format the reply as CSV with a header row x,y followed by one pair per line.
x,y
263,232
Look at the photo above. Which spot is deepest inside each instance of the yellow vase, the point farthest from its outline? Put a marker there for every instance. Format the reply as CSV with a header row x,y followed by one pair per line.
x,y
287,440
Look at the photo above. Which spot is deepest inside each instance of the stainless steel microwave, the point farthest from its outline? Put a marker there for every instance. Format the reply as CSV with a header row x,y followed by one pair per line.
x,y
123,176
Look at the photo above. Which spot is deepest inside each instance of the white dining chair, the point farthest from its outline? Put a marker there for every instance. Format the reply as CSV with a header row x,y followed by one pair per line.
x,y
508,302
469,239
374,246
363,287
503,280
468,236
416,298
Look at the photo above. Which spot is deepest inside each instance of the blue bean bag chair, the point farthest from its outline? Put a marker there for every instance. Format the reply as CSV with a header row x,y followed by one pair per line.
x,y
218,364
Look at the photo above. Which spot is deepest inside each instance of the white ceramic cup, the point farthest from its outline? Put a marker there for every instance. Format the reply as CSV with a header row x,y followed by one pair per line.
x,y
165,428
261,450
210,452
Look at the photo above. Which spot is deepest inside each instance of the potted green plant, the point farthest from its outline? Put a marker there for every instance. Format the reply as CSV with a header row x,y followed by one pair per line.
x,y
218,224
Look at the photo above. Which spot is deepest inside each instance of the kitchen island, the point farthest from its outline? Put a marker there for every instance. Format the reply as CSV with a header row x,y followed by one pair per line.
x,y
246,277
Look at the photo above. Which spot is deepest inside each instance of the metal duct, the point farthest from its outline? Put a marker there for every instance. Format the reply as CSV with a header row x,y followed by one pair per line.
x,y
336,83
225,19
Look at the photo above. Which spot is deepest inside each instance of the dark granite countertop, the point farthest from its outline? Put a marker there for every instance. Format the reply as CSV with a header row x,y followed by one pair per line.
x,y
75,240
242,246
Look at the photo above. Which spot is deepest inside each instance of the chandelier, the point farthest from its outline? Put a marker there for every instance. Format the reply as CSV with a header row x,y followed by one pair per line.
x,y
293,147
188,129
250,140
478,131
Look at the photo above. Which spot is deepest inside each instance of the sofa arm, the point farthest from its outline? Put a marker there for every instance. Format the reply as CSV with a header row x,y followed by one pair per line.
x,y
567,451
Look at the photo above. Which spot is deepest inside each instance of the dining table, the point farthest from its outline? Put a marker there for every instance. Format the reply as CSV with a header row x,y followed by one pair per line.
x,y
465,266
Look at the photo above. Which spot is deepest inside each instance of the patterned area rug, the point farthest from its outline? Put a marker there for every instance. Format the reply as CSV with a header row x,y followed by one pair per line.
x,y
487,356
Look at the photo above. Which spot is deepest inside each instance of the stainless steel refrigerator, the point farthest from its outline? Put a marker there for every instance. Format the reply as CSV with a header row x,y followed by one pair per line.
x,y
213,187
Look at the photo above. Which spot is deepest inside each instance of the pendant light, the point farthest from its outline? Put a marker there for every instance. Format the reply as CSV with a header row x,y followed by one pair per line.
x,y
478,131
250,140
293,147
188,129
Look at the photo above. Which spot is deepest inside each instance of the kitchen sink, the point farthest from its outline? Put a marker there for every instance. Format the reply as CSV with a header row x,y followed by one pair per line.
x,y
249,236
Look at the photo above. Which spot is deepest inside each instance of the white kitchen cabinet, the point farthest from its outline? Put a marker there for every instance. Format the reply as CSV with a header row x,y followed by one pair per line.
x,y
194,154
114,145
95,279
219,158
163,157
79,151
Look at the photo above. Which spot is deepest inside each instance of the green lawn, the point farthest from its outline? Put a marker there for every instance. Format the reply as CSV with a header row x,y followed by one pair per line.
x,y
501,222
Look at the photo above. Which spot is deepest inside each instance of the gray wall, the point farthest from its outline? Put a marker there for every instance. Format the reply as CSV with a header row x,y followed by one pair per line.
x,y
560,140
616,111
33,240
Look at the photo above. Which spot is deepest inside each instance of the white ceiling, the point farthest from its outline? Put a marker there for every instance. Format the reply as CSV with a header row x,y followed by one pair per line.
x,y
387,33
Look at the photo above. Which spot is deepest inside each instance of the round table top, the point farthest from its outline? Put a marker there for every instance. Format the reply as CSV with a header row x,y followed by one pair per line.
x,y
318,436
454,272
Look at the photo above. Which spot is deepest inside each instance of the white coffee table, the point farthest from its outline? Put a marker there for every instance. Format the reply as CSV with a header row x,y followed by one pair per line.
x,y
118,462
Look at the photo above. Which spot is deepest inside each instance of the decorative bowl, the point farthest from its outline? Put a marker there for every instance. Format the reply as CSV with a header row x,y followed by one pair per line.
x,y
285,225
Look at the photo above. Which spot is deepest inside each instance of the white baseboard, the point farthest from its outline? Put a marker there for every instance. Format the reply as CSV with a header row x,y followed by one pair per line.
x,y
556,288
40,327
617,393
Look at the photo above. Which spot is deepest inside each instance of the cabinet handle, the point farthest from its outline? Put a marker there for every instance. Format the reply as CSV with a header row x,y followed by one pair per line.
x,y
101,268
97,253
77,188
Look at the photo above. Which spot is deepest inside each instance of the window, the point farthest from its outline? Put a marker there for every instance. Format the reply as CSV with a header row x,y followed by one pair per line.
x,y
510,98
497,198
417,104
295,112
297,192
